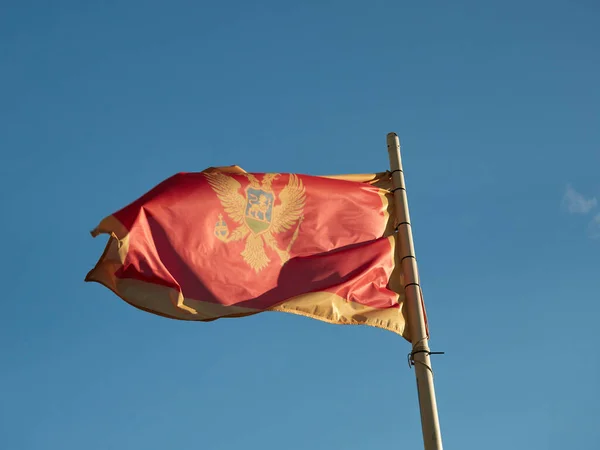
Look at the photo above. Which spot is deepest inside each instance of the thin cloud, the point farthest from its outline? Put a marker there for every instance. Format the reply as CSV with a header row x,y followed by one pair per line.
x,y
576,203
594,227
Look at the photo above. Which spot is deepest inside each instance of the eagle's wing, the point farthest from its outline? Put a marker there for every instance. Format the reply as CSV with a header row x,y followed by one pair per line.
x,y
289,211
227,189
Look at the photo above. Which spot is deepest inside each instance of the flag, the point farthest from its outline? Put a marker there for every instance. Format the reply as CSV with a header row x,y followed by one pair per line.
x,y
227,243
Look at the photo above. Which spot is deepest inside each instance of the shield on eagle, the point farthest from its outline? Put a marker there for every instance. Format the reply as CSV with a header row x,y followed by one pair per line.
x,y
259,209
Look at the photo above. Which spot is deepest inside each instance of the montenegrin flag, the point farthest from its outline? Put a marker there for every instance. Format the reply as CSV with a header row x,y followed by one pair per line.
x,y
227,243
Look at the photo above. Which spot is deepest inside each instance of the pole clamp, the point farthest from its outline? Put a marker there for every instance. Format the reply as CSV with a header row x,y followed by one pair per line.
x,y
411,359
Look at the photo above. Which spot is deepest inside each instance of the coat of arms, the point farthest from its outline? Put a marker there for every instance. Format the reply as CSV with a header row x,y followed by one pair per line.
x,y
256,214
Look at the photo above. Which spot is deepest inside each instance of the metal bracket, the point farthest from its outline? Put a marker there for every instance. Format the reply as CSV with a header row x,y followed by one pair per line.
x,y
411,360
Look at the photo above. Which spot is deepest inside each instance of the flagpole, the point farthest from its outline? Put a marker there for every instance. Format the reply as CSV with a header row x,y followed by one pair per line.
x,y
419,356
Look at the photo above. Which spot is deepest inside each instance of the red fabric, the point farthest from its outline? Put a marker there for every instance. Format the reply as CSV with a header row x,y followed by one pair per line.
x,y
338,248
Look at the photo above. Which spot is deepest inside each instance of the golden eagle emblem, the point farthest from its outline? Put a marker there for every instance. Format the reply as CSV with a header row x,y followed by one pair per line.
x,y
256,214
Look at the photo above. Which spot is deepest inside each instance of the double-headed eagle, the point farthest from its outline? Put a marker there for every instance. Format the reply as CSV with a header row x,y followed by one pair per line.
x,y
256,214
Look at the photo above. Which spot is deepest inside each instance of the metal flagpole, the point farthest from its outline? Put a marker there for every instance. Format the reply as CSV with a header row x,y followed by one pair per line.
x,y
430,425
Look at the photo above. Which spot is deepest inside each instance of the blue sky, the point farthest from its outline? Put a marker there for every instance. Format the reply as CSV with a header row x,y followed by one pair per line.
x,y
497,105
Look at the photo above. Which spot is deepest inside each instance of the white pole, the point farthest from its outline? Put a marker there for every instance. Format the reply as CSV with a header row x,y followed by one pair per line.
x,y
430,425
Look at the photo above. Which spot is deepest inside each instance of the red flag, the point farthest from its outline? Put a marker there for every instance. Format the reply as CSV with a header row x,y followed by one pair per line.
x,y
226,243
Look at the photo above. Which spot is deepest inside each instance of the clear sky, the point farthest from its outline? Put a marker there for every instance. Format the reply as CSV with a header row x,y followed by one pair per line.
x,y
498,108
